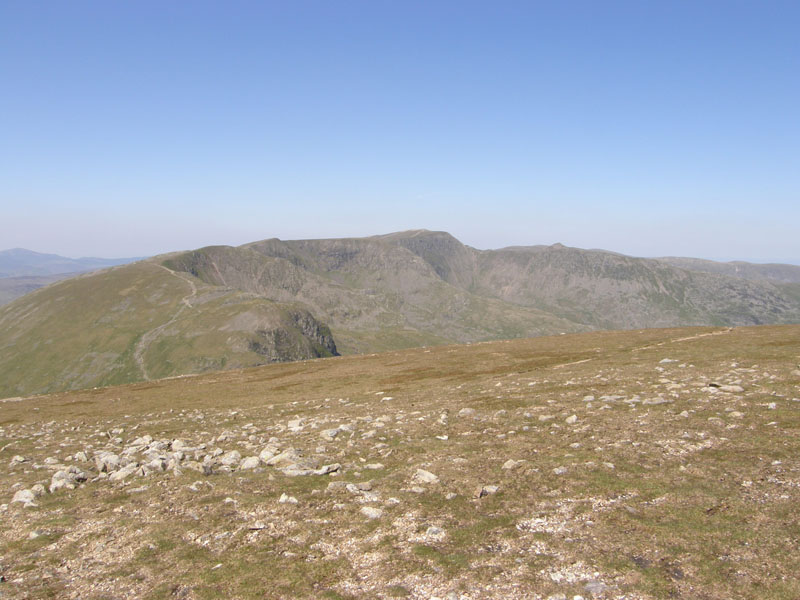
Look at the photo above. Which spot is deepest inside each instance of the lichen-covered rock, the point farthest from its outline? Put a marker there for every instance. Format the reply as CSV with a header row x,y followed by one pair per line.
x,y
107,462
230,459
249,463
24,497
423,476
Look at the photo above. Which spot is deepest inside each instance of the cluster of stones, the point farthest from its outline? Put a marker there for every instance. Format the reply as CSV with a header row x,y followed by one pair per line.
x,y
145,456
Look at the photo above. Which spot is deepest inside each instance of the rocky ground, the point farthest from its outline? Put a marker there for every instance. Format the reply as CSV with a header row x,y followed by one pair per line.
x,y
637,465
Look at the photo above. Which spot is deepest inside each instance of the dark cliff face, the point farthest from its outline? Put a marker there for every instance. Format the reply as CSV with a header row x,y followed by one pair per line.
x,y
230,307
318,333
299,337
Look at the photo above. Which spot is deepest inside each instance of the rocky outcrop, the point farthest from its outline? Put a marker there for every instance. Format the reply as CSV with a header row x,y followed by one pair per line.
x,y
222,307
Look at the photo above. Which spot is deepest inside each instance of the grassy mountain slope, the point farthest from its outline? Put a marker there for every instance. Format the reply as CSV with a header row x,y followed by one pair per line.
x,y
611,291
140,321
12,288
222,307
776,273
605,289
651,464
373,294
20,262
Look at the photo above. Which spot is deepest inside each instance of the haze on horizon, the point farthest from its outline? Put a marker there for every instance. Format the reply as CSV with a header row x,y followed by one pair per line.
x,y
133,129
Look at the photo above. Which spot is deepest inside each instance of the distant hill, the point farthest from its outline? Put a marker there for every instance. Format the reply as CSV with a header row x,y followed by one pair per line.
x,y
12,288
225,307
22,271
20,262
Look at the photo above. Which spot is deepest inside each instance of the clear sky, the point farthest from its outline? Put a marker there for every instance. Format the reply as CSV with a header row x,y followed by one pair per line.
x,y
648,128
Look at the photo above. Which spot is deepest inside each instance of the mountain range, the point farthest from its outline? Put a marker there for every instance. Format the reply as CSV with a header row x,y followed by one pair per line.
x,y
22,271
21,262
223,307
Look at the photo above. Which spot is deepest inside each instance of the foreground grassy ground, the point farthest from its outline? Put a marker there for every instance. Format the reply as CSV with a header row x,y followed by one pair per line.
x,y
638,464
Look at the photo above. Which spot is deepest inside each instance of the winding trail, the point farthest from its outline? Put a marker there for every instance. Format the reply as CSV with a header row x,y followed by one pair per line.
x,y
150,336
685,339
575,362
647,347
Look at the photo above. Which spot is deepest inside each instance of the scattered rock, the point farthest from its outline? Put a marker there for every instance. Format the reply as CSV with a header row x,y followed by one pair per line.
x,y
286,499
329,434
107,462
731,389
268,453
434,531
123,473
195,487
156,465
24,497
571,420
326,469
423,476
656,401
371,512
249,463
142,441
336,486
511,464
560,470
595,588
61,480
285,459
230,459
485,490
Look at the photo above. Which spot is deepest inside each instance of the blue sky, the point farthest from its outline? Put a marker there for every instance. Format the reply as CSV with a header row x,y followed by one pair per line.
x,y
648,128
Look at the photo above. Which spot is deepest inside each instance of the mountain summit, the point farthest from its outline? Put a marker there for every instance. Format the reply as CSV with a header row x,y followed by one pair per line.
x,y
223,307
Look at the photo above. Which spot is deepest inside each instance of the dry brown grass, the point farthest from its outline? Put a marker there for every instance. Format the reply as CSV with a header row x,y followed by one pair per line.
x,y
695,497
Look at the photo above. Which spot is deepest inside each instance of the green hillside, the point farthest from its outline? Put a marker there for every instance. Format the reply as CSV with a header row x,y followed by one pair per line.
x,y
223,307
140,321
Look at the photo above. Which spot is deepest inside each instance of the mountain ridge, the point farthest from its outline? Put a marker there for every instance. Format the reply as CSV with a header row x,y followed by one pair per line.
x,y
355,295
16,262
